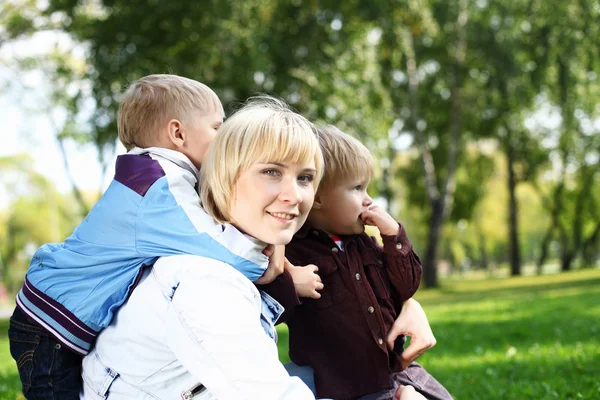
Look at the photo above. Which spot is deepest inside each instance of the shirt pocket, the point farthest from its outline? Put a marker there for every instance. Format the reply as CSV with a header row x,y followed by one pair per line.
x,y
377,274
334,290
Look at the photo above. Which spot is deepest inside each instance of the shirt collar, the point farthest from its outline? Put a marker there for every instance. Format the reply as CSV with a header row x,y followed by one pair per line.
x,y
308,230
175,157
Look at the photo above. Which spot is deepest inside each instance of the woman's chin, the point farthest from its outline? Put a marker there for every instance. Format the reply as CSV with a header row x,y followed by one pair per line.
x,y
281,239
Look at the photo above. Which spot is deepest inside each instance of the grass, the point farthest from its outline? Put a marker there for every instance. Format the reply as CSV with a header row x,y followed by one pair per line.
x,y
518,338
10,385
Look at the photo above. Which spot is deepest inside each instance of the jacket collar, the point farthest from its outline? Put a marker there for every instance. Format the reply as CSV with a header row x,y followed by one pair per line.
x,y
174,156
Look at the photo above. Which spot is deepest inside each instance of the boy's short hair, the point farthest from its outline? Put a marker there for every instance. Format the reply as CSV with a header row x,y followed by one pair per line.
x,y
264,130
346,158
152,101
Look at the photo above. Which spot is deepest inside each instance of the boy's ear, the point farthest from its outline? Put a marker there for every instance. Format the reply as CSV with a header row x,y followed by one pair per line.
x,y
317,204
175,132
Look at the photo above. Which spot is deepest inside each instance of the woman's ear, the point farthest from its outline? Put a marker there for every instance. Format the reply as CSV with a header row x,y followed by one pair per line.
x,y
175,133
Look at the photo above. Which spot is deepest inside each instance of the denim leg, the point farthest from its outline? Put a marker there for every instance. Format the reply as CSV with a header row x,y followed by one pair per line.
x,y
47,370
415,375
304,372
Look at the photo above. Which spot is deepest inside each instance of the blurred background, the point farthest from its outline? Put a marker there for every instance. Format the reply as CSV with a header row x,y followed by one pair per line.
x,y
483,116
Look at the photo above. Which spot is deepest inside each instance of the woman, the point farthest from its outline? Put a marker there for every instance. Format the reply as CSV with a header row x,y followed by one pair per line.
x,y
194,327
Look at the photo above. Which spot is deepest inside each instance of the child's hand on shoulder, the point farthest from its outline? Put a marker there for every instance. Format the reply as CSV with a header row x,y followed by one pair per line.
x,y
306,280
376,216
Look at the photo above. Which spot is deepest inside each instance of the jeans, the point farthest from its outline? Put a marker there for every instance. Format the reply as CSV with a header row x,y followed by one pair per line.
x,y
48,371
415,375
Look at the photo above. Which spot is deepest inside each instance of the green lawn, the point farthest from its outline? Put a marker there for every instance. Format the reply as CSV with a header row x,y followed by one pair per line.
x,y
519,338
10,385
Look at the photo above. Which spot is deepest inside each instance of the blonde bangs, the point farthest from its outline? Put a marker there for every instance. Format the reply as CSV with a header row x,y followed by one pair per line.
x,y
265,130
290,140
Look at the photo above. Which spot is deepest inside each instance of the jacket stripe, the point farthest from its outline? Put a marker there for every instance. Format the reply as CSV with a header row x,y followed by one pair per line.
x,y
61,334
56,318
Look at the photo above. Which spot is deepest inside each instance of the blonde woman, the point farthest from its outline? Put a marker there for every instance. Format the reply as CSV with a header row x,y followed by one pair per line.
x,y
192,327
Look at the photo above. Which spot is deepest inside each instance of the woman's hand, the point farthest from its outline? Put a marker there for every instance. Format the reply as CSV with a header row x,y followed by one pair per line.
x,y
306,280
412,322
408,393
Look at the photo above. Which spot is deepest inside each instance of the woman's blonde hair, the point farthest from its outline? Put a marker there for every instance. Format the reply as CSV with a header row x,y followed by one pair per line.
x,y
346,158
265,130
153,100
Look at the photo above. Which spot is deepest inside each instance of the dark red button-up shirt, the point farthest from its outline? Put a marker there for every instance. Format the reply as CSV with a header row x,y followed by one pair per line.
x,y
342,334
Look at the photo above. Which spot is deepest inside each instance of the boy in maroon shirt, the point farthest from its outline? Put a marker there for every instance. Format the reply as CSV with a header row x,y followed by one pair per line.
x,y
339,333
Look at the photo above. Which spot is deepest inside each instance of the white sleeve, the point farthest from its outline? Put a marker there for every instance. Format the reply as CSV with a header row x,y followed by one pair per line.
x,y
214,329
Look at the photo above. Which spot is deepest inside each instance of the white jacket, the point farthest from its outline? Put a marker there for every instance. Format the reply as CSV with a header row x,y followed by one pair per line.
x,y
191,321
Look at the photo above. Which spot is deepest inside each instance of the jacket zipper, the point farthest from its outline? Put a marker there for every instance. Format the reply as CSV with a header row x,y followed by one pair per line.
x,y
196,390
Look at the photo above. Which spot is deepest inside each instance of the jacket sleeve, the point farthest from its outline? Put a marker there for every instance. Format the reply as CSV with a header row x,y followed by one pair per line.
x,y
403,266
215,331
282,289
171,221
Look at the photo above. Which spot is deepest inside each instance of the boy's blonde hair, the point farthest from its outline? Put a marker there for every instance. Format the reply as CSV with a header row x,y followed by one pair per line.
x,y
346,158
152,101
265,130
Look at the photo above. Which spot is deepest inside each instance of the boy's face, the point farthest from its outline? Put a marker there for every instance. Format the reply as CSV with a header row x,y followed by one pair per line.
x,y
200,133
341,206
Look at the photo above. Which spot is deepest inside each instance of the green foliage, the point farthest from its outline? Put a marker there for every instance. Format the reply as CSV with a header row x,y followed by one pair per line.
x,y
481,71
36,214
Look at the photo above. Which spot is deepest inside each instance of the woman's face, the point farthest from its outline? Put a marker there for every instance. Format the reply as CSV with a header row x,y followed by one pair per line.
x,y
271,201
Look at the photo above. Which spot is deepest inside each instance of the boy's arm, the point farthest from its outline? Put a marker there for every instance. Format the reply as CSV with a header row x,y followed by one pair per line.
x,y
170,221
403,264
295,282
282,289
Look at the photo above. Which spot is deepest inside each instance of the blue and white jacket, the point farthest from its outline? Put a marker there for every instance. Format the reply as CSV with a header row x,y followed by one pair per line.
x,y
151,209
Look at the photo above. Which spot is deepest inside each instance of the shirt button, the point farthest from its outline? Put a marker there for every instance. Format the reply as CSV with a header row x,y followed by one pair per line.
x,y
379,262
380,341
334,250
357,276
371,310
399,246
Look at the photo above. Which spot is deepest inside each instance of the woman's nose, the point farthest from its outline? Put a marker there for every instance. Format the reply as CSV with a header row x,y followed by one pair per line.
x,y
291,192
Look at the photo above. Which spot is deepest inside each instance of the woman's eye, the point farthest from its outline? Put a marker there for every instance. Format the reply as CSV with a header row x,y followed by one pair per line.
x,y
306,178
271,172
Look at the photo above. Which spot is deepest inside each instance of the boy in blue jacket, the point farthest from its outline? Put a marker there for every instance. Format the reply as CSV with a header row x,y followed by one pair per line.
x,y
151,209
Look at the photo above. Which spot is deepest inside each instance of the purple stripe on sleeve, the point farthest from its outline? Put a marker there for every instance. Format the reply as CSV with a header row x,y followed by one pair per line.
x,y
138,172
58,313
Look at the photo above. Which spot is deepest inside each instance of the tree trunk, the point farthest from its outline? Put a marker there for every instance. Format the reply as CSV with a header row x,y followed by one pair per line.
x,y
589,249
544,251
483,262
440,197
554,207
513,217
430,260
567,261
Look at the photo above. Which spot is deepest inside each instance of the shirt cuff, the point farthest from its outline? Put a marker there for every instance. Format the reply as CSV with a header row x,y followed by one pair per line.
x,y
394,244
